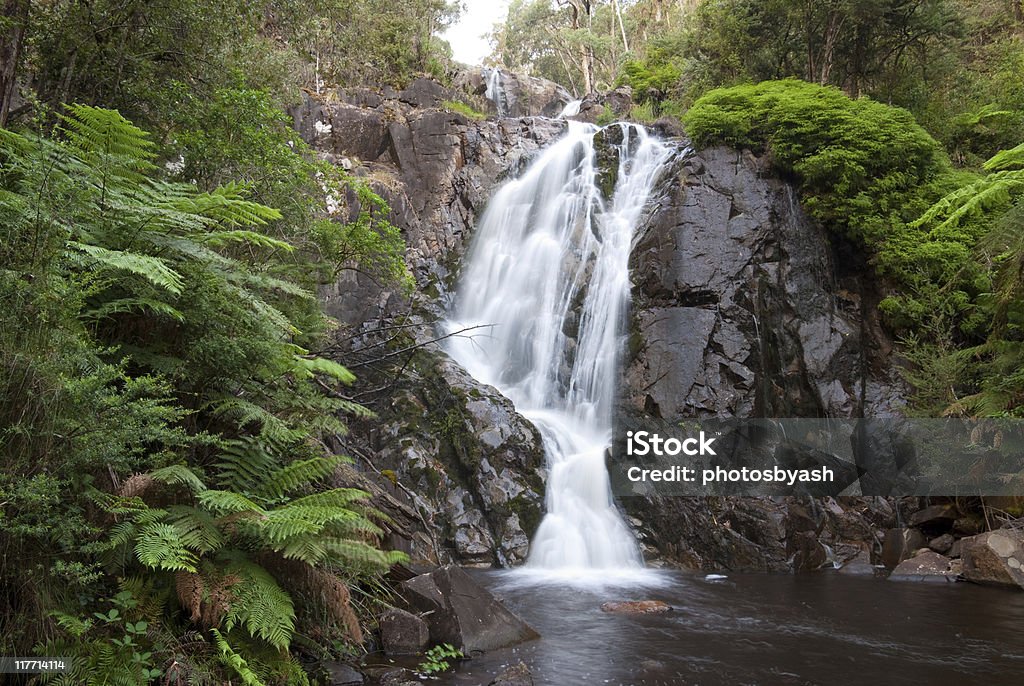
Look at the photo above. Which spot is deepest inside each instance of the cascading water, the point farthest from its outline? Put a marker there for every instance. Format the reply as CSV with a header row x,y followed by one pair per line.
x,y
571,109
547,283
494,92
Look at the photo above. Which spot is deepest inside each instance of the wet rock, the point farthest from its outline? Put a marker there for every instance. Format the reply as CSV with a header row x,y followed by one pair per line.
x,y
636,607
942,544
341,674
928,566
970,525
806,551
900,545
403,633
859,565
463,613
995,558
516,675
934,515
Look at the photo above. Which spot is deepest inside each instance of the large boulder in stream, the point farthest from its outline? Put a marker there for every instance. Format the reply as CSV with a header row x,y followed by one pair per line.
x,y
995,558
462,612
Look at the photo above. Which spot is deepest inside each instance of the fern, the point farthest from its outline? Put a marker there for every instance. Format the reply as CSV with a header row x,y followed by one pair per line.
x,y
159,546
235,661
260,605
95,131
297,475
153,269
180,475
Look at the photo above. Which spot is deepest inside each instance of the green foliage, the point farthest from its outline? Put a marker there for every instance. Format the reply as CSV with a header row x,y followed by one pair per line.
x,y
160,416
858,162
463,109
436,659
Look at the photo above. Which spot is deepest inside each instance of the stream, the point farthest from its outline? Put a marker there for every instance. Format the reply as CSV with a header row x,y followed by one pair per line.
x,y
823,628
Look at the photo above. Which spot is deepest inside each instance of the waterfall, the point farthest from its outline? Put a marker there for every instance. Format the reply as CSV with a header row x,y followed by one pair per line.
x,y
571,109
547,283
494,93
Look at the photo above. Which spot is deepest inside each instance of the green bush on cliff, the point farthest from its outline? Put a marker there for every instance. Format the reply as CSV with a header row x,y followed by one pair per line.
x,y
866,171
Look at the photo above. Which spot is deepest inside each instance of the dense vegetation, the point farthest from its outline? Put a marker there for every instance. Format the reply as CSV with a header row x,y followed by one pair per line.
x,y
169,506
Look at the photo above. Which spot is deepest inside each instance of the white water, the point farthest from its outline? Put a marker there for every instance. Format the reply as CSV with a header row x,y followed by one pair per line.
x,y
571,109
550,259
494,92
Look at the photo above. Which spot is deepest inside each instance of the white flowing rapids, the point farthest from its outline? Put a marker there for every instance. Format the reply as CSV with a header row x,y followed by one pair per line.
x,y
547,283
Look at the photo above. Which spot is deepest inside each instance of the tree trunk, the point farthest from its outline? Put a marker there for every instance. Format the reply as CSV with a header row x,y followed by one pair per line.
x,y
12,37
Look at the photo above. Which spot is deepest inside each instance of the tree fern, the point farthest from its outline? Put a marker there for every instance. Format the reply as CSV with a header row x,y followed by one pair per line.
x,y
153,269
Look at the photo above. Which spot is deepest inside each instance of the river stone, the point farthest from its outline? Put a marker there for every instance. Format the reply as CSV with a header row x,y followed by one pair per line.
x,y
341,674
636,607
516,675
464,613
942,544
859,565
403,633
928,566
995,558
899,545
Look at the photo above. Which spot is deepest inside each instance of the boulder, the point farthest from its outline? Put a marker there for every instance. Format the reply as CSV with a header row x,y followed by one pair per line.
x,y
341,674
464,613
934,515
636,607
942,544
859,565
900,545
403,633
995,558
928,566
516,675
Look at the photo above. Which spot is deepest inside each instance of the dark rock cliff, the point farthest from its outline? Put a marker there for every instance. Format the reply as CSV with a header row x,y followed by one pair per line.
x,y
742,307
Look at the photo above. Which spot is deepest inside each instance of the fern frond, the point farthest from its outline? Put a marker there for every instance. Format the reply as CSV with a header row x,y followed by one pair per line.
x,y
260,605
126,305
180,475
153,269
244,464
220,238
228,502
159,546
97,131
197,528
306,367
296,475
236,662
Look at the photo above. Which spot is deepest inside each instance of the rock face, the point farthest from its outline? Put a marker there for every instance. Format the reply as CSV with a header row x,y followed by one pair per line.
x,y
452,457
995,558
516,675
517,95
743,306
464,613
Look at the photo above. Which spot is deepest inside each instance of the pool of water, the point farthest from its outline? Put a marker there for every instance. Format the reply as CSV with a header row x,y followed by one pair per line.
x,y
761,629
